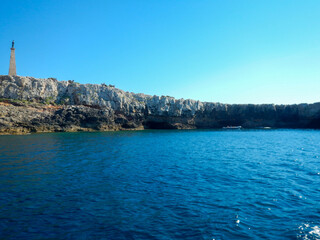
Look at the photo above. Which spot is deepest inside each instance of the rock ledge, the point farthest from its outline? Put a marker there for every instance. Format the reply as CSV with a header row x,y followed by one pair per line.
x,y
29,104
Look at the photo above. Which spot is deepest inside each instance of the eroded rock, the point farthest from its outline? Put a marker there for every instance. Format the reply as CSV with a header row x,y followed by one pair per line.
x,y
39,105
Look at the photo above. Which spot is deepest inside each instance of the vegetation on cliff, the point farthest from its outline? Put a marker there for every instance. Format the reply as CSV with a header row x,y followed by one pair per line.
x,y
28,104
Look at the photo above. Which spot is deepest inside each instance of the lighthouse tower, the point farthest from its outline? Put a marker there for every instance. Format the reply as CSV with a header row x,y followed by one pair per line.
x,y
12,67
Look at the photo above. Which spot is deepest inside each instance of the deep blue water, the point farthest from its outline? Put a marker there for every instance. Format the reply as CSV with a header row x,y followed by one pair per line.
x,y
161,185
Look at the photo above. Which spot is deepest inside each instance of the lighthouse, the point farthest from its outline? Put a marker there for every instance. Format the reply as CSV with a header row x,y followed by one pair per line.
x,y
12,67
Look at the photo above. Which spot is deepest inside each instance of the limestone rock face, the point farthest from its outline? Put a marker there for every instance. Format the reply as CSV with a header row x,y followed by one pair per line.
x,y
71,93
104,107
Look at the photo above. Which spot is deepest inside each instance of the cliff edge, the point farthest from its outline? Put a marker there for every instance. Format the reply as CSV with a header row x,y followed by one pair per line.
x,y
29,104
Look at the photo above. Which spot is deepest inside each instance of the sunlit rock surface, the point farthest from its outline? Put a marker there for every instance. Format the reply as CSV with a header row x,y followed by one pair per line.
x,y
40,105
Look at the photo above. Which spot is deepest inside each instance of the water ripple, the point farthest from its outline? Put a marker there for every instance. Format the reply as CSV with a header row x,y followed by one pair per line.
x,y
161,185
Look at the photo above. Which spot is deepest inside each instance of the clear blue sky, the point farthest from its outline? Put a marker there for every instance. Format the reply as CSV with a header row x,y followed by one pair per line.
x,y
227,51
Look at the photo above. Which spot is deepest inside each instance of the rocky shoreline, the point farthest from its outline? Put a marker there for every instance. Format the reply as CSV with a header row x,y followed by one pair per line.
x,y
30,105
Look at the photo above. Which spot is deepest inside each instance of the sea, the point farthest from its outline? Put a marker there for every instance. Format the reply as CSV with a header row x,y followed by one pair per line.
x,y
161,184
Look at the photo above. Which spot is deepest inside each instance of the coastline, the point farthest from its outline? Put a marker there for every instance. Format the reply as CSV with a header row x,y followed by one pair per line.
x,y
30,105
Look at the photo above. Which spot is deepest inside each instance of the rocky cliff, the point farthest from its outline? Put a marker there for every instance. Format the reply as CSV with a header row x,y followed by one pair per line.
x,y
40,105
